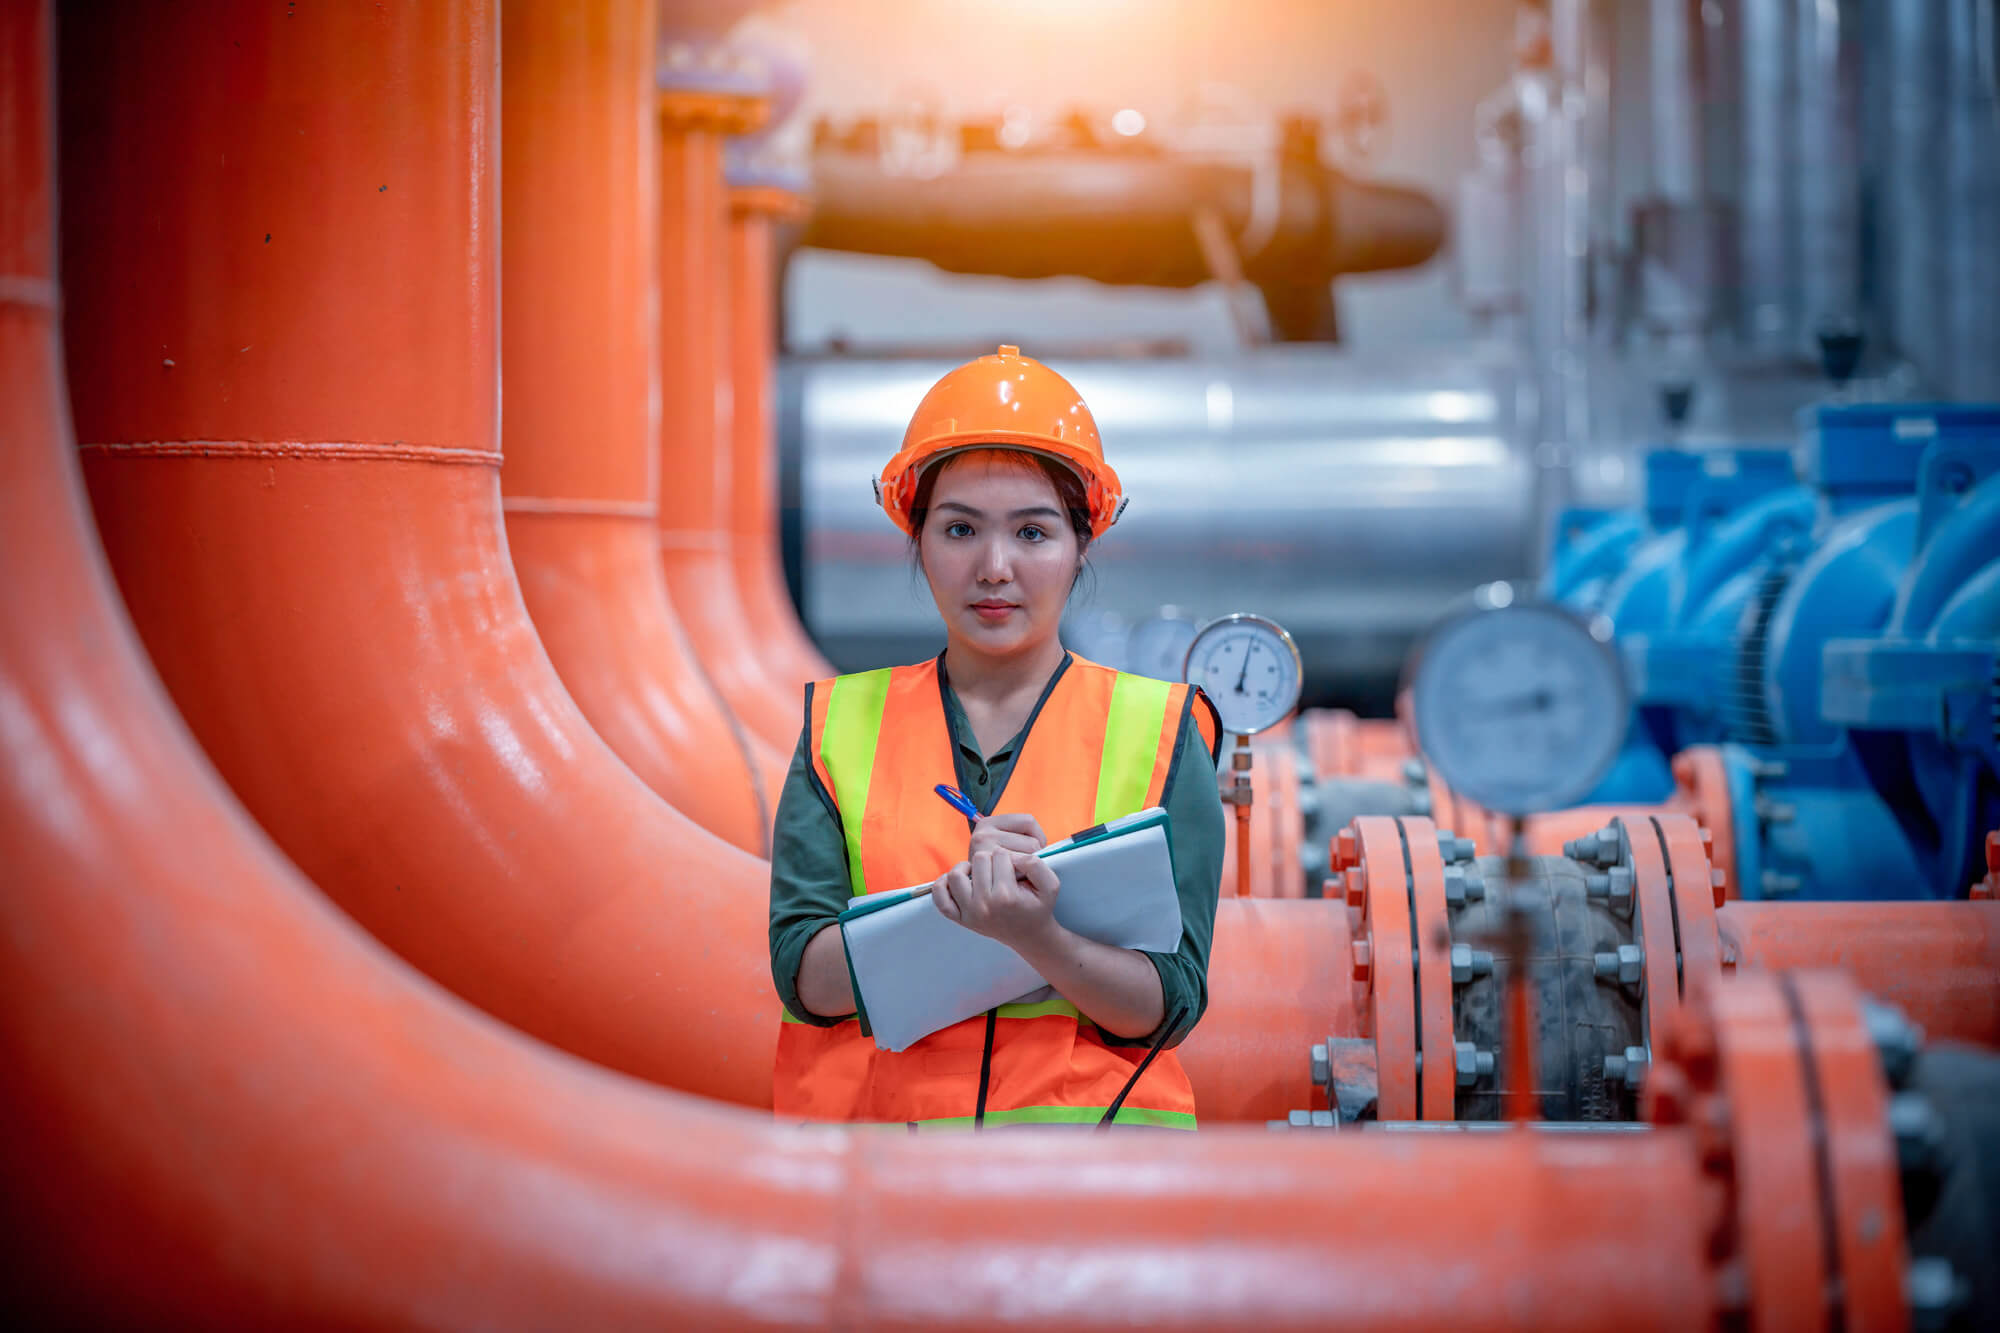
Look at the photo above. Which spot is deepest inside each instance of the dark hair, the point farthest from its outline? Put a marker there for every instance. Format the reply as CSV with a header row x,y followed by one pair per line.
x,y
1068,486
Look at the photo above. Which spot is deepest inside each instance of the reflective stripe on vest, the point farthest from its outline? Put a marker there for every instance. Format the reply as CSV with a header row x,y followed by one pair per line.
x,y
1102,745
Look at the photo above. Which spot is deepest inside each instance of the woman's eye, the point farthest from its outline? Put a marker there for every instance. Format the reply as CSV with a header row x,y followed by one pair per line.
x,y
959,529
1032,532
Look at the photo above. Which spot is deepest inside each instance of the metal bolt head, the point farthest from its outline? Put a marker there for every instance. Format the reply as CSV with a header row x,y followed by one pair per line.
x,y
1897,1040
1935,1293
1453,848
1322,1067
1357,887
1413,772
1625,966
1919,1133
1420,802
1605,847
1473,1064
1629,1068
1361,959
1464,884
1468,962
1346,851
1614,885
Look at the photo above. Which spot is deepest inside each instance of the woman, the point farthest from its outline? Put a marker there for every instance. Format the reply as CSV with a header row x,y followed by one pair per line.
x,y
1001,486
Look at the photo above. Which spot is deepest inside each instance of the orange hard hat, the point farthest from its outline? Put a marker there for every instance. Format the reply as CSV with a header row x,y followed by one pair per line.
x,y
1003,401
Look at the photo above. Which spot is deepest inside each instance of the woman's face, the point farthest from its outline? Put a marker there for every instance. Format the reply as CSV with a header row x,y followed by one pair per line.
x,y
999,552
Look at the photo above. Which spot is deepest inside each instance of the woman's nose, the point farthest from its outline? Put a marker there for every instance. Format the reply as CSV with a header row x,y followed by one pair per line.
x,y
993,563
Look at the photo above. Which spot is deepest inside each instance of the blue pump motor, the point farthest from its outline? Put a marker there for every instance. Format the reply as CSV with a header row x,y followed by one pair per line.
x,y
1822,809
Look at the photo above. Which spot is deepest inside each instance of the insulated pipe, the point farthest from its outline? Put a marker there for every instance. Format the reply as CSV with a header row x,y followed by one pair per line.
x,y
756,206
222,1105
286,399
695,443
579,352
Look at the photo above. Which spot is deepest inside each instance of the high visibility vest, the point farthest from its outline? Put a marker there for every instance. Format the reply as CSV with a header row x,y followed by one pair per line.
x,y
1103,745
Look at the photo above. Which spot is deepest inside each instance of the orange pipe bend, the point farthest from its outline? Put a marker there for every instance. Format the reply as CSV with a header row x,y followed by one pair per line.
x,y
754,210
579,206
695,392
225,1106
291,449
338,623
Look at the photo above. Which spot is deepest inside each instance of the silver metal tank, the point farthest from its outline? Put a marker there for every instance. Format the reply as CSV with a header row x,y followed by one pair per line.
x,y
1349,496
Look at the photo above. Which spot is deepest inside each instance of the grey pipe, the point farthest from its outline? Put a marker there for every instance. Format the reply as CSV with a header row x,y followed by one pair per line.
x,y
1828,127
1971,310
1767,201
1674,56
1916,230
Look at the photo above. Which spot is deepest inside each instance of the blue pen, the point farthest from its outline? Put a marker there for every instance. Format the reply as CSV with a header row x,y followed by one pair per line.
x,y
958,801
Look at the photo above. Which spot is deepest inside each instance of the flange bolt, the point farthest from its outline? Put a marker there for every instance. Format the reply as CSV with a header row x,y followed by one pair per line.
x,y
1464,884
1454,849
1468,962
1897,1040
1613,885
1602,848
1413,772
1919,1133
1629,1068
1625,966
1936,1294
1322,1068
1473,1063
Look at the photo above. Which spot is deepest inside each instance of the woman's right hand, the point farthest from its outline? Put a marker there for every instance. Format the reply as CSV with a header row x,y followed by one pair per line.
x,y
1007,833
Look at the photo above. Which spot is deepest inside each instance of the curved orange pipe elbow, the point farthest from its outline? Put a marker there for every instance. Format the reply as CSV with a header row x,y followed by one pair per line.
x,y
579,198
695,435
291,449
753,492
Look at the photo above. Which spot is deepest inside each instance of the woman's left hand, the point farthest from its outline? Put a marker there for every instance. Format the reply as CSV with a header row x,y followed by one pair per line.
x,y
1003,895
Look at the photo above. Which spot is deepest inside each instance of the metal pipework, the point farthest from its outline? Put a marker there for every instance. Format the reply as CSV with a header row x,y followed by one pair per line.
x,y
581,436
1630,924
1128,212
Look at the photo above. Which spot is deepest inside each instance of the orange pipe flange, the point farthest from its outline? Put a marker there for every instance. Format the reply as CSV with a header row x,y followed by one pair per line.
x,y
578,208
695,443
291,449
754,210
1780,1082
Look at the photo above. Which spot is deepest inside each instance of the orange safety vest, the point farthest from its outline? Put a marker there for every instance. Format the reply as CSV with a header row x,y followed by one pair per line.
x,y
1103,745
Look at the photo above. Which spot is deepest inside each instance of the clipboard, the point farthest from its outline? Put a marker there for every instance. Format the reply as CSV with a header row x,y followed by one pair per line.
x,y
915,972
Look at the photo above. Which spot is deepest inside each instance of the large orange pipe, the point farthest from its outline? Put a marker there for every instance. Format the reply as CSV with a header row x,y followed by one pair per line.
x,y
755,206
281,234
334,612
579,354
222,1105
695,394
1939,961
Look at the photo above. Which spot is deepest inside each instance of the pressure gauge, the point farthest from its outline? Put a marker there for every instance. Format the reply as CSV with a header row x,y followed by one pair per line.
x,y
1250,668
1158,647
1520,706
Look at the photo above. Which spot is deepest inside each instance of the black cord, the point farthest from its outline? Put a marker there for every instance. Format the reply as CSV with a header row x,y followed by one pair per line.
x,y
985,1069
1159,1043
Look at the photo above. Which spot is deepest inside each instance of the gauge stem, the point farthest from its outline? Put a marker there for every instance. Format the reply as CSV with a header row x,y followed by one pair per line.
x,y
1519,932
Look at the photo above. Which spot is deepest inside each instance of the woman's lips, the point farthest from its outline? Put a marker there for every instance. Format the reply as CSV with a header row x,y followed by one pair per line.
x,y
994,611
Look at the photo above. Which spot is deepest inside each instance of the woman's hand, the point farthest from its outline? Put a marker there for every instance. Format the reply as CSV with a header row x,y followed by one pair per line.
x,y
1017,832
1004,895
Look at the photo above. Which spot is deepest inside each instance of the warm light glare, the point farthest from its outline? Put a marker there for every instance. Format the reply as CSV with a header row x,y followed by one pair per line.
x,y
1129,122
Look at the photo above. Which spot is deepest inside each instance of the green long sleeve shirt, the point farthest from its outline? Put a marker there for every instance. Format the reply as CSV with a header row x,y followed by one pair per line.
x,y
809,874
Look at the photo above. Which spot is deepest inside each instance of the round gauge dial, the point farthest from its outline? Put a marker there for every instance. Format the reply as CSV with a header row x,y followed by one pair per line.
x,y
1249,668
1520,706
1158,647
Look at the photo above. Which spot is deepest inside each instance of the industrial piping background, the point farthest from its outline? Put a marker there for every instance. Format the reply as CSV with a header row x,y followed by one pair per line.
x,y
300,1129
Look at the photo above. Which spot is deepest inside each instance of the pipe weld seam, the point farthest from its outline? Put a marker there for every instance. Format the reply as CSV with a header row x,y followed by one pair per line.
x,y
21,289
336,450
539,504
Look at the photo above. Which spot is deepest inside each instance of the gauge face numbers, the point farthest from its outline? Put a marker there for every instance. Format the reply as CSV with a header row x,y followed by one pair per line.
x,y
1249,668
1158,647
1521,709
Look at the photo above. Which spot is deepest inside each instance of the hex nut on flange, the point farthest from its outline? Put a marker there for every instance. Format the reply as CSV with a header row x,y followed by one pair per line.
x,y
1626,966
1464,884
1473,1064
1629,1068
1468,962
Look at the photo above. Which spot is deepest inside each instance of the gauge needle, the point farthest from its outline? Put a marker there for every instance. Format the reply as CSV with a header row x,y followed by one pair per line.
x,y
1244,674
1538,702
